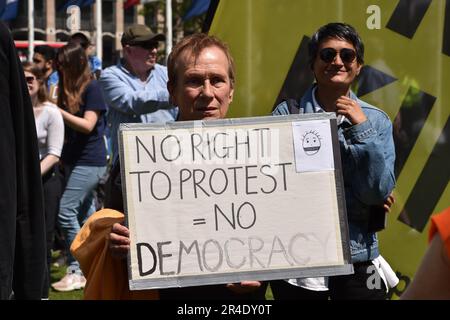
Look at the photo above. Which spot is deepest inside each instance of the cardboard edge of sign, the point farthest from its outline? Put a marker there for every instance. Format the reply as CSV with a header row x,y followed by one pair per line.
x,y
225,122
224,278
186,281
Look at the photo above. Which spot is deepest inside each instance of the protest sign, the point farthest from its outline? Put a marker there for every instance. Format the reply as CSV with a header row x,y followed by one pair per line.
x,y
231,200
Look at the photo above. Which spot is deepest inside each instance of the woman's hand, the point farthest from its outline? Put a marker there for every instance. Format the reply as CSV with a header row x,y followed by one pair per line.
x,y
119,241
83,124
350,109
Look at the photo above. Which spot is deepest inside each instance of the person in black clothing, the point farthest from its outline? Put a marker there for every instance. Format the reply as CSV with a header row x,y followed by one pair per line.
x,y
50,133
22,223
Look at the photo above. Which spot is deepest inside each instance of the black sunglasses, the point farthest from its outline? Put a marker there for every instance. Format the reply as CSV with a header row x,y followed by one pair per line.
x,y
30,79
147,45
329,54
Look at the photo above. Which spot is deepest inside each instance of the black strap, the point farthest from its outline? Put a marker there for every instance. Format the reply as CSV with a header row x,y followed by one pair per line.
x,y
293,106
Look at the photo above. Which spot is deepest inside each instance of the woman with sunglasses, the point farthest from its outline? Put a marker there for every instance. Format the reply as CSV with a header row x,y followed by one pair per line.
x,y
50,134
82,106
367,152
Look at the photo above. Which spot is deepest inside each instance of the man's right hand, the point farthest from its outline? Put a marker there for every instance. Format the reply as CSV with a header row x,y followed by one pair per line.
x,y
389,202
119,241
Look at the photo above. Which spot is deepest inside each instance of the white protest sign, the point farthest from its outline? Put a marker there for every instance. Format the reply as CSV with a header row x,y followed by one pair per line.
x,y
222,201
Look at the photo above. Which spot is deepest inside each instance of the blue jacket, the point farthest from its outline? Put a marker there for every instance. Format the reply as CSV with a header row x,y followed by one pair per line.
x,y
368,155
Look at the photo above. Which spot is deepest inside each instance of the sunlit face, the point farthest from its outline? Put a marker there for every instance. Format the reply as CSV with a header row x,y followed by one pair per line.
x,y
203,89
32,84
141,59
336,73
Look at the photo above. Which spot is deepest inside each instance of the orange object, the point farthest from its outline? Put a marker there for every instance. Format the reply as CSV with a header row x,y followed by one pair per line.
x,y
441,223
107,277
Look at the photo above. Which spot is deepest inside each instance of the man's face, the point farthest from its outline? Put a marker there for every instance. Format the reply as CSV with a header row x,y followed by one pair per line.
x,y
340,71
142,58
90,51
41,63
203,88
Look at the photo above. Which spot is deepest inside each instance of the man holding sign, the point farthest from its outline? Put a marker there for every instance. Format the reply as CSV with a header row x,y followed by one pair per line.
x,y
201,84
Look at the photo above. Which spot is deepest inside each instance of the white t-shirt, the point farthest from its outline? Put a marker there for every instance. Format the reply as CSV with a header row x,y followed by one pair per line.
x,y
383,268
314,284
49,129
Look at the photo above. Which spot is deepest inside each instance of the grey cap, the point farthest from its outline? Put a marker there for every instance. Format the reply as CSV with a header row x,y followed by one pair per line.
x,y
139,33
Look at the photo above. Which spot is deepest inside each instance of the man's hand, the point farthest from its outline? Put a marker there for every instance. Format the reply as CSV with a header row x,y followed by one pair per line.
x,y
119,241
350,109
390,200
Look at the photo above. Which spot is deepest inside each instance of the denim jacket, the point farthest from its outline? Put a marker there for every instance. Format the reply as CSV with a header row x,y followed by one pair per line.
x,y
368,155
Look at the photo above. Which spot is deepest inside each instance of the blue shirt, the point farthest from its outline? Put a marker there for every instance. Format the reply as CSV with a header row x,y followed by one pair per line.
x,y
131,100
52,86
53,79
95,63
87,149
368,156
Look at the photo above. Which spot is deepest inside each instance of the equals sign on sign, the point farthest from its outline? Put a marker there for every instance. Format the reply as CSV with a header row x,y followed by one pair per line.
x,y
199,221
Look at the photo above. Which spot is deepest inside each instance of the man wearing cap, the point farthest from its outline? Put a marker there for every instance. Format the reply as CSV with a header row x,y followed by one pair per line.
x,y
136,88
94,61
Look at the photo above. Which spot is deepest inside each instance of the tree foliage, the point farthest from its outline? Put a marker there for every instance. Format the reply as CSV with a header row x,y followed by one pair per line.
x,y
179,10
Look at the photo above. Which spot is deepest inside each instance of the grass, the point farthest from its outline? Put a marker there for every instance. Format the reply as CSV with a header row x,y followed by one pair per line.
x,y
269,295
58,272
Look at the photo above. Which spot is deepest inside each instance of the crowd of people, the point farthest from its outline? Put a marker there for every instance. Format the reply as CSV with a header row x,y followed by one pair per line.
x,y
78,108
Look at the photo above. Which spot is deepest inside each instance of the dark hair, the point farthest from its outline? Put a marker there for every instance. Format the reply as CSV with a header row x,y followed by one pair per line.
x,y
42,91
74,75
195,43
336,30
46,51
81,39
